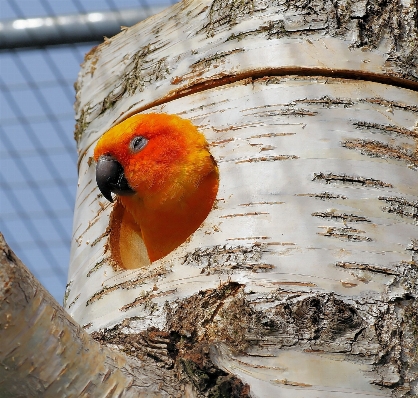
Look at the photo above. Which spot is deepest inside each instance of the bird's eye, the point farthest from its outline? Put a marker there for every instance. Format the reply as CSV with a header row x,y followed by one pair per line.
x,y
138,143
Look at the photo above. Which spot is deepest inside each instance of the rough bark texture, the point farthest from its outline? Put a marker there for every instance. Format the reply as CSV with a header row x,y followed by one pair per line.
x,y
44,353
302,280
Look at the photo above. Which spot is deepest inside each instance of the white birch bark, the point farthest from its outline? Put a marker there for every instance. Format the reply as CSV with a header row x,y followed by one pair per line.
x,y
302,278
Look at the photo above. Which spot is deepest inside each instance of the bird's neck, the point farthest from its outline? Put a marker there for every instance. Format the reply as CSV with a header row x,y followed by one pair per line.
x,y
166,221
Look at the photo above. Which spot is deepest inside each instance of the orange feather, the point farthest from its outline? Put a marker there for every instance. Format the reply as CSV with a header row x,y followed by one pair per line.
x,y
174,176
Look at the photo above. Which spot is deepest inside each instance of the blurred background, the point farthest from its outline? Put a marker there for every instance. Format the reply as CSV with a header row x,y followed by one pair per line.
x,y
42,44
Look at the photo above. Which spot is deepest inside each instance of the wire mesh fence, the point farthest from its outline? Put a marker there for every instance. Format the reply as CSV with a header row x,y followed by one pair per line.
x,y
38,172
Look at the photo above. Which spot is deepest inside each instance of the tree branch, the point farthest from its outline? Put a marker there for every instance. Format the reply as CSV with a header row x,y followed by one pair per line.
x,y
43,352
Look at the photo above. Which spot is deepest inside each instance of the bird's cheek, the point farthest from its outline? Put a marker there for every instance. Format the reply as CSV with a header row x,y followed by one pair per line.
x,y
136,181
146,178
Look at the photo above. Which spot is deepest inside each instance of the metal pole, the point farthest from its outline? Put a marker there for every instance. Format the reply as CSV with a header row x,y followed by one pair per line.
x,y
76,28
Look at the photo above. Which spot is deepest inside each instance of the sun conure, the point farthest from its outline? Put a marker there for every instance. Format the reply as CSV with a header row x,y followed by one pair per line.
x,y
163,174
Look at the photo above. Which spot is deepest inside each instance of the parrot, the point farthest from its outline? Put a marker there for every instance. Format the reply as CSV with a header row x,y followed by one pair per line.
x,y
161,170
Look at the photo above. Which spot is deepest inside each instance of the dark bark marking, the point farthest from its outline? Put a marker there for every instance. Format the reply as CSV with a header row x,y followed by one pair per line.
x,y
152,343
261,203
319,321
328,102
413,247
368,267
323,195
79,239
86,389
226,13
287,111
99,238
140,72
251,238
207,304
275,30
67,292
312,19
346,233
350,180
287,382
389,104
314,319
80,125
269,135
9,255
295,283
387,129
226,259
131,284
249,214
340,216
107,375
206,62
388,361
392,21
377,149
268,159
209,379
98,265
400,206
74,301
146,299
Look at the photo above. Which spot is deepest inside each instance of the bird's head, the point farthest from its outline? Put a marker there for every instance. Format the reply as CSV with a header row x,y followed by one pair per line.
x,y
151,155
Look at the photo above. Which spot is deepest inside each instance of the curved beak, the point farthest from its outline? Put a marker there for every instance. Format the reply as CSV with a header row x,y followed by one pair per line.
x,y
110,177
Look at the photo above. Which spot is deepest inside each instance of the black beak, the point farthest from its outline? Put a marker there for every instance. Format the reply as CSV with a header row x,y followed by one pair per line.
x,y
110,177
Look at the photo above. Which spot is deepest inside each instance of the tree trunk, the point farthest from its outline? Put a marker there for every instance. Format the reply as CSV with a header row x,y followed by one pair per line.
x,y
302,279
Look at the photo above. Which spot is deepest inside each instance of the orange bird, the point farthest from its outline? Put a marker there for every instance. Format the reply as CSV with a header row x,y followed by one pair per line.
x,y
163,174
